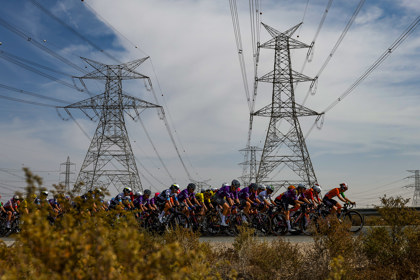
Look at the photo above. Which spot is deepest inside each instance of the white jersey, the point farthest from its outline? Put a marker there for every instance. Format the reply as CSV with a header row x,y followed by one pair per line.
x,y
264,196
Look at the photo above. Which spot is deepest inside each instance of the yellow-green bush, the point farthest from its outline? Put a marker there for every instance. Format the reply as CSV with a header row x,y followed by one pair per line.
x,y
110,245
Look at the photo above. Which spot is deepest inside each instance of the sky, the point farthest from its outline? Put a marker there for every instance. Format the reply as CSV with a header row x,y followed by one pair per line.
x,y
369,139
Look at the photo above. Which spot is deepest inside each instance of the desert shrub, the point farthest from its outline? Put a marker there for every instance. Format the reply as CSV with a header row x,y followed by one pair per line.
x,y
393,250
253,259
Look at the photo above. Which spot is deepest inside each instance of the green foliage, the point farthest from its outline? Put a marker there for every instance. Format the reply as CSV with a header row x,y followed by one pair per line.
x,y
394,249
84,244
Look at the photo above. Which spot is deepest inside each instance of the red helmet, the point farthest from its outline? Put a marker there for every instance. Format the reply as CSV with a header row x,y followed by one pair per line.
x,y
156,194
344,187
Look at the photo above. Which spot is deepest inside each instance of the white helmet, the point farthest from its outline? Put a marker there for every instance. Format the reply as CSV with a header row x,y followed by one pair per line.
x,y
317,188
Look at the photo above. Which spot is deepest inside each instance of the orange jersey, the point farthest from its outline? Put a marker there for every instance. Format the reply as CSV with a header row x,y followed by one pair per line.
x,y
332,193
311,194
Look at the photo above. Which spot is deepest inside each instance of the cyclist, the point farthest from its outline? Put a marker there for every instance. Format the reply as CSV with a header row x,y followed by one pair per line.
x,y
265,197
208,194
2,210
187,199
11,207
336,192
226,197
115,202
248,196
312,194
289,197
166,200
145,200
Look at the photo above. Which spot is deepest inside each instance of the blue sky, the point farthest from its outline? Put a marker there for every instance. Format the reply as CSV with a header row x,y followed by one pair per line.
x,y
369,140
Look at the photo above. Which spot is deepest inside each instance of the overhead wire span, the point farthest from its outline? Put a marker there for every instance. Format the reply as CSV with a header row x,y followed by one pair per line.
x,y
26,101
310,52
112,27
71,29
312,88
36,71
238,40
37,44
376,64
156,152
31,93
303,18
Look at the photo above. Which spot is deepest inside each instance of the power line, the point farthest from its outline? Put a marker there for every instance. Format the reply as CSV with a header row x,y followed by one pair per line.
x,y
376,64
238,39
26,101
71,29
31,93
334,49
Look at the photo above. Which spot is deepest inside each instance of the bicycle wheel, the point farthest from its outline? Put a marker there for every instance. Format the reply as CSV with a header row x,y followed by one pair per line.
x,y
235,221
178,220
262,223
354,220
278,225
211,223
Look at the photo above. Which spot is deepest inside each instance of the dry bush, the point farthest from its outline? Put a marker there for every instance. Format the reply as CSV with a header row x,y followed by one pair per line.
x,y
394,250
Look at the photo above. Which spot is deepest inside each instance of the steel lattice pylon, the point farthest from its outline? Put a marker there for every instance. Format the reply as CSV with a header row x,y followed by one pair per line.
x,y
284,143
110,160
416,186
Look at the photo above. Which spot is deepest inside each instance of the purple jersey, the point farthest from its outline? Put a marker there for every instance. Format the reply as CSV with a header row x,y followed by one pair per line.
x,y
143,200
290,195
184,195
152,201
246,193
226,192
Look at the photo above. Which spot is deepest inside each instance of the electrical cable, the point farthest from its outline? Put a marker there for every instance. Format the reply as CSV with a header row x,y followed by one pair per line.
x,y
334,49
31,93
71,29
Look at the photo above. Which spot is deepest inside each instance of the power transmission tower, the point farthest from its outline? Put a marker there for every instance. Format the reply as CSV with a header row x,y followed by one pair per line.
x,y
416,186
110,160
284,143
67,173
250,175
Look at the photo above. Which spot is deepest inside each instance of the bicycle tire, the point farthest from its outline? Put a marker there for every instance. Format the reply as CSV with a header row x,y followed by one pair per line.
x,y
278,225
262,223
178,220
354,220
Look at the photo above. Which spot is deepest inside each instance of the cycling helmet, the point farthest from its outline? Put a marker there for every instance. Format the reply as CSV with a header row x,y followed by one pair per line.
x,y
147,192
262,187
137,194
119,197
214,189
317,188
301,186
291,187
44,193
127,190
253,186
191,186
225,185
235,183
270,188
157,194
174,187
16,197
344,187
127,197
